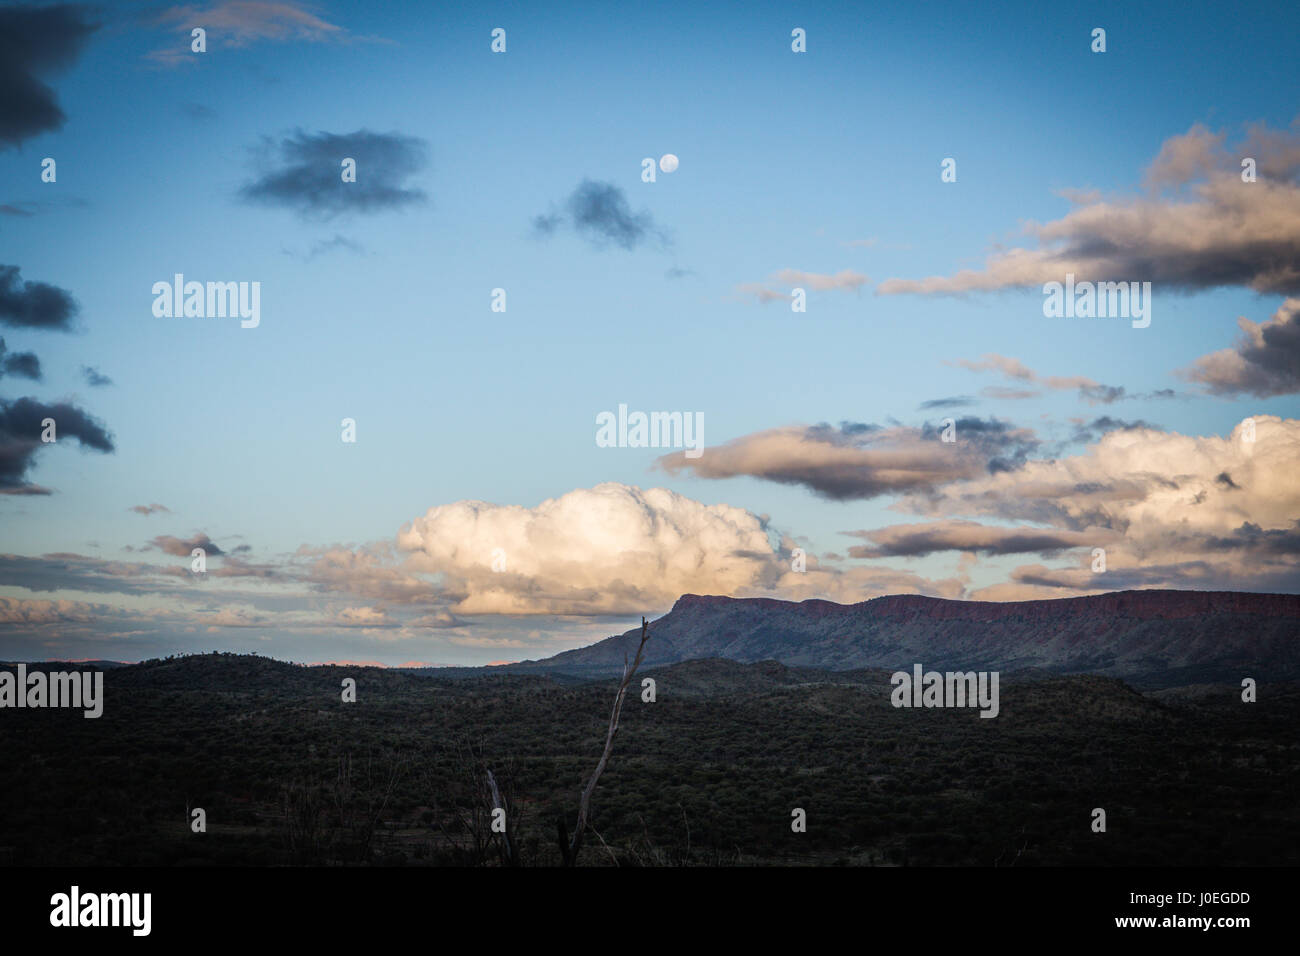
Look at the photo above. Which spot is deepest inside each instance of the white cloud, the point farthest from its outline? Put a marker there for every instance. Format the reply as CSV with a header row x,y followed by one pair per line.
x,y
609,549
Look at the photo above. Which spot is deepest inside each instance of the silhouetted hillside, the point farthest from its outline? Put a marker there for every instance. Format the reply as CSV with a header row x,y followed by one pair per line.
x,y
1150,638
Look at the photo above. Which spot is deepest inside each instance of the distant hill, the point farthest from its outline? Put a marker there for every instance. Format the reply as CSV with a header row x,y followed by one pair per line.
x,y
1153,638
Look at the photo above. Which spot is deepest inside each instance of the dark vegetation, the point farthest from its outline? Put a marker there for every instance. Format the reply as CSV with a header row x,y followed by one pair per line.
x,y
706,775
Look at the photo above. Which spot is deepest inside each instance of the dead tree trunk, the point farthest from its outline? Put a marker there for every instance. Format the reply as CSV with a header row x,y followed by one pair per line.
x,y
511,854
569,849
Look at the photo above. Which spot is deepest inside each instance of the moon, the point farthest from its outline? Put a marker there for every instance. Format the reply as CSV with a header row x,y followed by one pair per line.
x,y
668,162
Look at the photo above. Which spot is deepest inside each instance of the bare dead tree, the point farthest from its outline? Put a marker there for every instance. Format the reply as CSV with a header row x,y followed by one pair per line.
x,y
510,848
477,791
569,848
361,800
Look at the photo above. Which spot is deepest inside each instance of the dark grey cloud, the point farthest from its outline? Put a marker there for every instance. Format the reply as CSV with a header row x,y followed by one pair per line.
x,y
20,438
20,364
303,172
35,42
1198,574
1102,394
1203,231
182,547
1005,446
94,377
859,460
34,305
955,401
599,213
1088,432
1253,539
968,536
64,571
1264,362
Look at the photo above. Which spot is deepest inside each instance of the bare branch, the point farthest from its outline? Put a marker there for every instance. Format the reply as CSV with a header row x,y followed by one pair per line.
x,y
571,857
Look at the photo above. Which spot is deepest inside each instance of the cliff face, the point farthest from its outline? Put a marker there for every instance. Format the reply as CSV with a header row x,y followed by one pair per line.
x,y
1150,637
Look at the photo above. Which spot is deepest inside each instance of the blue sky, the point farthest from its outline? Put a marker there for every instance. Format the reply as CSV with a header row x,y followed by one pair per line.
x,y
819,162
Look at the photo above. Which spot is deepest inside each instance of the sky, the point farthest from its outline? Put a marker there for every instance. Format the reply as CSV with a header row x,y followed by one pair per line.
x,y
478,515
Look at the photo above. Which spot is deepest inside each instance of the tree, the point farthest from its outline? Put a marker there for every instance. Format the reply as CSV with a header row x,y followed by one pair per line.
x,y
569,848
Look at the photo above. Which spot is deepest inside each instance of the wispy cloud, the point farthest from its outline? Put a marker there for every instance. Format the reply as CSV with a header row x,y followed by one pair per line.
x,y
303,172
846,280
94,377
1088,390
600,213
240,23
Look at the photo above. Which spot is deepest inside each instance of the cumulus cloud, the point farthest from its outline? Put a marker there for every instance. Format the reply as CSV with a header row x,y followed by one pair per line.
x,y
858,460
34,305
20,438
1264,362
1187,156
34,43
1171,510
303,172
1211,231
600,213
608,549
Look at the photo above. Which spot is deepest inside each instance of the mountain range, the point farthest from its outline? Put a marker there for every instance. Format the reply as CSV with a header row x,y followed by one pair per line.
x,y
1154,638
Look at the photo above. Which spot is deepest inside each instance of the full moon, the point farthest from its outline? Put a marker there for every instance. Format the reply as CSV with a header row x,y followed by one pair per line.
x,y
668,162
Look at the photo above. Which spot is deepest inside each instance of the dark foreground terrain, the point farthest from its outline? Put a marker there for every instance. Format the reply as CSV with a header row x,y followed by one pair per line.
x,y
707,774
